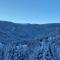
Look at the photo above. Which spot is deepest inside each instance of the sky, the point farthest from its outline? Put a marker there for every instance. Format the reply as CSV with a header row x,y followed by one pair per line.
x,y
30,11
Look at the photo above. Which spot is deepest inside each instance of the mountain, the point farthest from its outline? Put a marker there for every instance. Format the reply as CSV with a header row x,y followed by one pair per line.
x,y
29,41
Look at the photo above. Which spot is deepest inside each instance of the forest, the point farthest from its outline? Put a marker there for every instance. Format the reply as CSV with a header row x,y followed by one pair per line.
x,y
29,41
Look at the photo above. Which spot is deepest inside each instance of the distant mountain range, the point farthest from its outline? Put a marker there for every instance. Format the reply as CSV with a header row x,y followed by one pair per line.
x,y
37,41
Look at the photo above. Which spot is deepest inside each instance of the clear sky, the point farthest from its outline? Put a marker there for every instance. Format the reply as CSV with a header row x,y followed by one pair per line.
x,y
30,11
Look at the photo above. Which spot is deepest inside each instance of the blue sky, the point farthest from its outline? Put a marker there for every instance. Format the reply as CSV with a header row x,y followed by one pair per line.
x,y
30,11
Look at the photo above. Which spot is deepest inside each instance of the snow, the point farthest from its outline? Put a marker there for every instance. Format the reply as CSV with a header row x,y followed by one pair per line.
x,y
42,42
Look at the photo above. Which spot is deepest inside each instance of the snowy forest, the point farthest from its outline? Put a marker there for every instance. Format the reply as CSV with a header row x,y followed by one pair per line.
x,y
29,41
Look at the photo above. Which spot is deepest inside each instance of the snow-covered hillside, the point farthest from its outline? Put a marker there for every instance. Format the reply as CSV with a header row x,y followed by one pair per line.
x,y
29,41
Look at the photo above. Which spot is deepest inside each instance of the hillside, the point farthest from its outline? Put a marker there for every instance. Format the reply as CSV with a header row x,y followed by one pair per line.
x,y
29,41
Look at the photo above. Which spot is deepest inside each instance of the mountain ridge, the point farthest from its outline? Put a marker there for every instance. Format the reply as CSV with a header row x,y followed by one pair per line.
x,y
29,41
21,31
